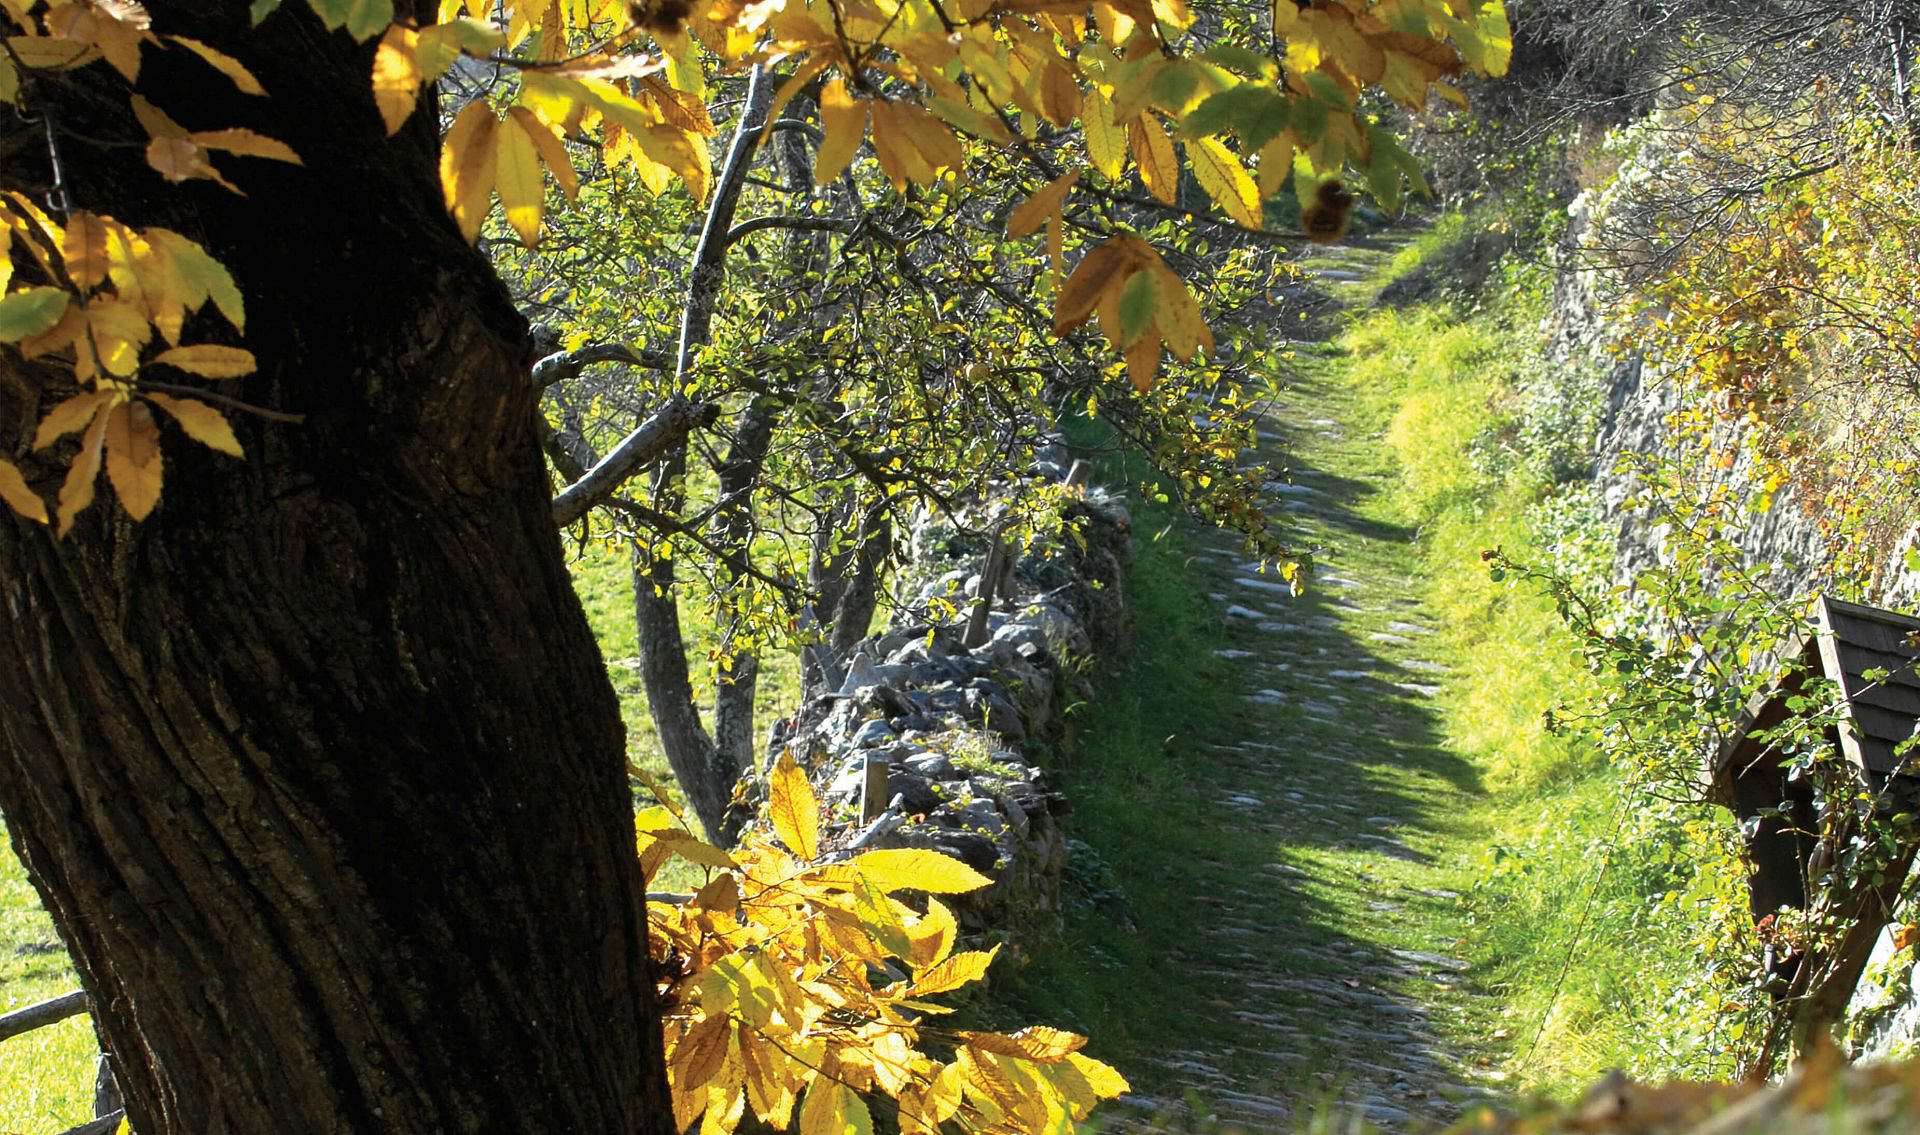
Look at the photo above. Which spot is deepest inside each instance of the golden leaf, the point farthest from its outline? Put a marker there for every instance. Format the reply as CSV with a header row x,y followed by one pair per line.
x,y
765,1071
688,847
83,245
523,195
933,936
917,869
1220,173
70,416
1143,362
50,53
467,164
1100,272
1153,153
208,360
1059,93
1046,201
1105,1082
133,457
701,1053
235,71
246,143
843,120
958,970
199,421
552,153
396,76
76,492
792,808
18,495
1177,314
1276,162
831,1108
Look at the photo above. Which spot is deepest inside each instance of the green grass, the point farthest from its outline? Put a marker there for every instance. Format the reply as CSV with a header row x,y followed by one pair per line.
x,y
46,1076
1586,902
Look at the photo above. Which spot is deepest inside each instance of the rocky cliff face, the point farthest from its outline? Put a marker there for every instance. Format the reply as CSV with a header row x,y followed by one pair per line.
x,y
1585,362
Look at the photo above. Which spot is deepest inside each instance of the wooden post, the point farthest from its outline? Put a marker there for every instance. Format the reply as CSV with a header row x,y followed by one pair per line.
x,y
873,798
990,573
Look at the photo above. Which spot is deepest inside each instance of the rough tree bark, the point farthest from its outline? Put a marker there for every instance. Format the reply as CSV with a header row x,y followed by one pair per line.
x,y
318,769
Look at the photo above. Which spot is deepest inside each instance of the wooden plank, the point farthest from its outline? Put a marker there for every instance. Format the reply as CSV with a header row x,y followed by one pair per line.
x,y
43,1013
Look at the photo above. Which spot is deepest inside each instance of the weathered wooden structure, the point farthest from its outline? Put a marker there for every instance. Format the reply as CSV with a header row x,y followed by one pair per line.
x,y
1870,655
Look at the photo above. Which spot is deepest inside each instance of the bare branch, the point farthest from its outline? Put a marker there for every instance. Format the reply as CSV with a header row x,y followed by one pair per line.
x,y
673,421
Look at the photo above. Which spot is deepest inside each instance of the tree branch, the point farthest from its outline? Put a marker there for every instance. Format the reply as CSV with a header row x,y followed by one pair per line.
x,y
674,420
800,224
562,365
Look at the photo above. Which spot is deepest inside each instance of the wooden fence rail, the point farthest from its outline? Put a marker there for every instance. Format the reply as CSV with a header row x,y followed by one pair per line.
x,y
43,1013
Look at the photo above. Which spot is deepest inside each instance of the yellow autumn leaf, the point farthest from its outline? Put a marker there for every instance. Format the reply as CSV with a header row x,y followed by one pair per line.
x,y
1044,1044
832,1108
133,457
19,495
918,869
956,971
792,809
1046,202
1276,162
700,1053
235,71
208,360
843,121
1153,153
396,76
523,195
1106,141
899,158
1059,92
1225,179
1100,272
933,936
695,850
1177,314
117,331
467,163
1143,362
199,421
76,492
50,53
552,152
245,143
1105,1081
83,245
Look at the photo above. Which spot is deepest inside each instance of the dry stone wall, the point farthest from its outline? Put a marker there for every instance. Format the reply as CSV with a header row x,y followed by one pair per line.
x,y
929,743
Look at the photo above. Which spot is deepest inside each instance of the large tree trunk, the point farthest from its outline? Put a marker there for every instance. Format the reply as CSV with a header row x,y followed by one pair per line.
x,y
318,769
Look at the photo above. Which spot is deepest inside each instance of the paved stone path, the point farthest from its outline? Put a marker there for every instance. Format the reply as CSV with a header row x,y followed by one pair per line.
x,y
1336,965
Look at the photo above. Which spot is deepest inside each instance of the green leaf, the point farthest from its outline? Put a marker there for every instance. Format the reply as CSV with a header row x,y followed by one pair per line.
x,y
30,312
1236,58
1138,301
362,18
1254,111
262,9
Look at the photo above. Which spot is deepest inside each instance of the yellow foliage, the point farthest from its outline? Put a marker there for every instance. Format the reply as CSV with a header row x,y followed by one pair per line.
x,y
796,982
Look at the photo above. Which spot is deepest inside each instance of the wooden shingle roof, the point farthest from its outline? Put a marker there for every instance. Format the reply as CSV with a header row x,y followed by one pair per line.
x,y
1851,640
1854,639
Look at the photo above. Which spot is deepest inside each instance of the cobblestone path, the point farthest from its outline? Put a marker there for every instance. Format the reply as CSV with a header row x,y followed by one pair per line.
x,y
1335,986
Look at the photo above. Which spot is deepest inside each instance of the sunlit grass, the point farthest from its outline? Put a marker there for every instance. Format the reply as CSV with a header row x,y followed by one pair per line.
x,y
46,1076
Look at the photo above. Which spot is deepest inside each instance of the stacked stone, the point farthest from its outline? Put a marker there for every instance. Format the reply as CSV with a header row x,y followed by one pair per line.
x,y
927,743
